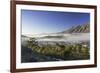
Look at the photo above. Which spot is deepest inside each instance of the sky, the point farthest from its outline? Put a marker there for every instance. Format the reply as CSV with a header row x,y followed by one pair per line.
x,y
39,22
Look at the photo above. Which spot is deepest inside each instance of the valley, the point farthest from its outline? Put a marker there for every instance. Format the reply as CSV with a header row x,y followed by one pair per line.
x,y
73,44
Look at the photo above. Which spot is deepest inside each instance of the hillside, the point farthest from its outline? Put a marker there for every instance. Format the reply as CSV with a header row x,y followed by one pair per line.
x,y
78,29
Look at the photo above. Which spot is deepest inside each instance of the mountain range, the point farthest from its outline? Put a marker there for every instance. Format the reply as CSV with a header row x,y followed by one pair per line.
x,y
78,29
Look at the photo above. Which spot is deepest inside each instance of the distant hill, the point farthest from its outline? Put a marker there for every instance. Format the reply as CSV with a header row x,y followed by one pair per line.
x,y
78,29
23,36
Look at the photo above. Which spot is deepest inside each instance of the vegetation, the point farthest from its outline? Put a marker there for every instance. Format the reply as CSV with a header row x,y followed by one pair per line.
x,y
53,37
62,51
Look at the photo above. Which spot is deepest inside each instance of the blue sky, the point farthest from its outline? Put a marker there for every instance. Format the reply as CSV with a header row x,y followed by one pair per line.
x,y
38,22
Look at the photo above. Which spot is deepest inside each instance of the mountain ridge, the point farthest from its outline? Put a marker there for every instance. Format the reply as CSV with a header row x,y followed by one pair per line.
x,y
78,29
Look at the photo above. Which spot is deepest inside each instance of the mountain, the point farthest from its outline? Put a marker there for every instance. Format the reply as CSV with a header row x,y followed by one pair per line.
x,y
23,36
78,29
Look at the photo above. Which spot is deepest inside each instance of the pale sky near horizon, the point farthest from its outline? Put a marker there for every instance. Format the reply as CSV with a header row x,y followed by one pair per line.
x,y
38,22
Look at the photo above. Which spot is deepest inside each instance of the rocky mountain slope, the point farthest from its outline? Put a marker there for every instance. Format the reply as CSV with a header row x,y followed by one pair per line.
x,y
78,29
